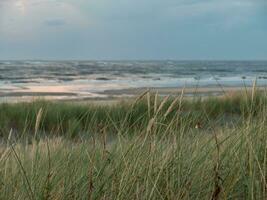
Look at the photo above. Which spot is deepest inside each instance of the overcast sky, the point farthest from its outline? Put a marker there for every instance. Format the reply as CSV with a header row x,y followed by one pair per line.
x,y
133,29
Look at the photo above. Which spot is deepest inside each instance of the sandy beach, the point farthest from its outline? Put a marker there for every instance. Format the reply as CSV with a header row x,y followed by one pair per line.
x,y
85,92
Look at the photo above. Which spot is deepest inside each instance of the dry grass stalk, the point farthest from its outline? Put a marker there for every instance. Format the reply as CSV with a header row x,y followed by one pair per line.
x,y
179,98
10,136
29,188
148,104
140,97
150,124
152,120
162,104
156,102
104,141
90,184
171,106
254,90
91,172
217,179
38,121
48,187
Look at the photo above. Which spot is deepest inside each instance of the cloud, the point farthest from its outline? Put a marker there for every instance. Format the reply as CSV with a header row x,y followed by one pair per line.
x,y
55,22
114,28
21,19
221,13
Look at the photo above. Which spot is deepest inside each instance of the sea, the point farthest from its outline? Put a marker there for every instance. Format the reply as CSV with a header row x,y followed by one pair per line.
x,y
99,76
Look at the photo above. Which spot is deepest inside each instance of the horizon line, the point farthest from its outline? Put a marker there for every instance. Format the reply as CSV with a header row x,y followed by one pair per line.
x,y
110,60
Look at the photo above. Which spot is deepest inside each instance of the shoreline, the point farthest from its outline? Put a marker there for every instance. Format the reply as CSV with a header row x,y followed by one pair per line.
x,y
69,94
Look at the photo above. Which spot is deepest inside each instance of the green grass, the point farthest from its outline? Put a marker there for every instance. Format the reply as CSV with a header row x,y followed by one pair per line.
x,y
70,119
147,149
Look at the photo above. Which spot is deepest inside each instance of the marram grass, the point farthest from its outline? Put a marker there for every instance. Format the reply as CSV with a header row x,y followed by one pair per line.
x,y
71,119
144,150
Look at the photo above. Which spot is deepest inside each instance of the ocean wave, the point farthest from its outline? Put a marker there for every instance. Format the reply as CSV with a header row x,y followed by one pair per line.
x,y
128,72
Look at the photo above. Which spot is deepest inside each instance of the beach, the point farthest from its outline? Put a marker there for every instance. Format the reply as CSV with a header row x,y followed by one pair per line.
x,y
133,100
75,93
130,130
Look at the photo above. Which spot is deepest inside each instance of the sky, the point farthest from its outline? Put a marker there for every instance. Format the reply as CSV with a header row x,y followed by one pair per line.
x,y
133,29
